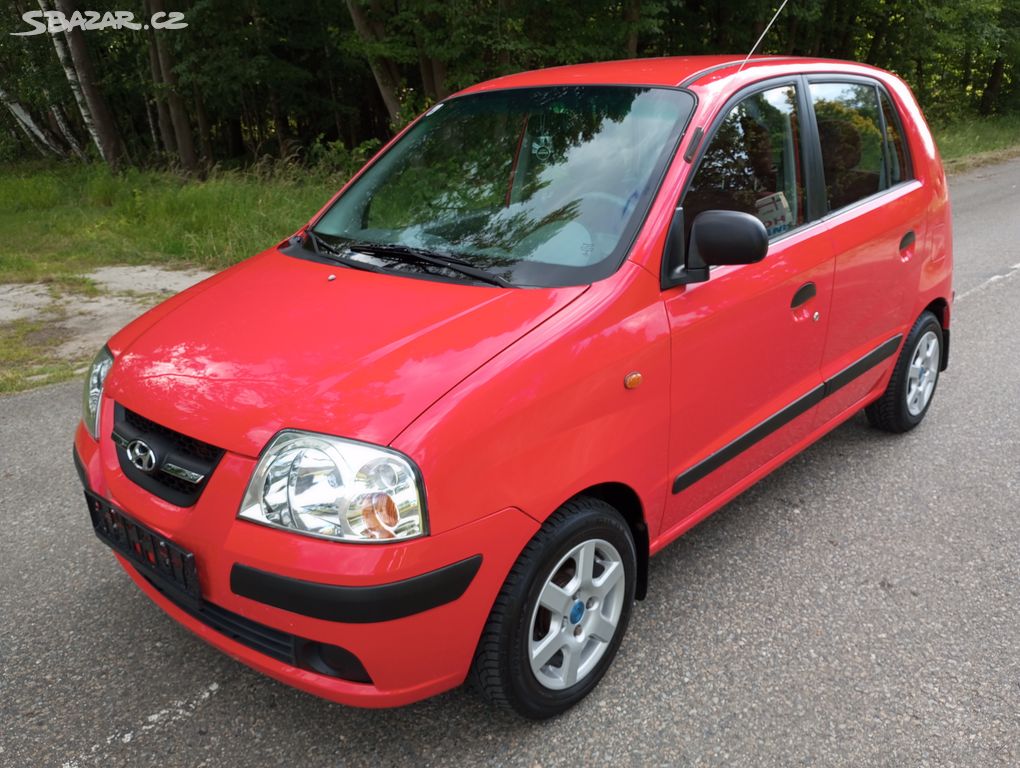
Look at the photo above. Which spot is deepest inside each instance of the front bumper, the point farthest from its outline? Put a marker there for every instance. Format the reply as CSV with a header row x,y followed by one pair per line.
x,y
410,613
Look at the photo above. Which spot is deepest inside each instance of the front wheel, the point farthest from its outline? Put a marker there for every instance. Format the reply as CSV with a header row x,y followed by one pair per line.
x,y
559,619
910,390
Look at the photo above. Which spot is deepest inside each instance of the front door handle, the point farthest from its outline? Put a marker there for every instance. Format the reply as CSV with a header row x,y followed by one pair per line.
x,y
804,294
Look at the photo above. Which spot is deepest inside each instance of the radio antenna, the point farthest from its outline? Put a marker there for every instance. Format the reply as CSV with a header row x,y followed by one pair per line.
x,y
765,32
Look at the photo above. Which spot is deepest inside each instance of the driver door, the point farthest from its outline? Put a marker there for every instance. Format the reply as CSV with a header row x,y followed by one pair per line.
x,y
747,344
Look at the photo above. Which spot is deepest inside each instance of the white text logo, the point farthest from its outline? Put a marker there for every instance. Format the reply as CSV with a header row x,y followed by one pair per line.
x,y
56,22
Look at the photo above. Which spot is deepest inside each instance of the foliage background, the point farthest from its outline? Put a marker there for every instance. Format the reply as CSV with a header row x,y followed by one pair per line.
x,y
322,83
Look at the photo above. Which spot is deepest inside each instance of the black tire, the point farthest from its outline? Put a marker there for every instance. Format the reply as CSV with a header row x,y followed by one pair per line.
x,y
501,671
890,412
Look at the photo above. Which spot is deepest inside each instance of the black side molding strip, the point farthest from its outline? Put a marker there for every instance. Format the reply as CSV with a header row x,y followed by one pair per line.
x,y
356,605
866,363
786,415
749,438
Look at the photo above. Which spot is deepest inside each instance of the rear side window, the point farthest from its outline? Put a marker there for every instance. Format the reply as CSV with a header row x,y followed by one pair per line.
x,y
895,149
753,164
850,134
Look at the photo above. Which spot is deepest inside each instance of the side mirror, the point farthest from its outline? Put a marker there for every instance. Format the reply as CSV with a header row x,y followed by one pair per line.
x,y
717,238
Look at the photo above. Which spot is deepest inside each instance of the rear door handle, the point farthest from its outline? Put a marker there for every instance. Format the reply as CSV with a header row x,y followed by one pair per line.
x,y
907,246
804,294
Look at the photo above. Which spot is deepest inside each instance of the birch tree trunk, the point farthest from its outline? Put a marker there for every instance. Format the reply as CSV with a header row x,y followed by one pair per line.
x,y
72,79
152,125
28,124
65,131
107,135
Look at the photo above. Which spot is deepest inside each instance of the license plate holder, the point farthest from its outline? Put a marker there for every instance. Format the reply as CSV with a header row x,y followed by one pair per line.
x,y
170,566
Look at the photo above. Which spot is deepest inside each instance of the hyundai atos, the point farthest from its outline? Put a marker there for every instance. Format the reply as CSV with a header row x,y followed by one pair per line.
x,y
565,315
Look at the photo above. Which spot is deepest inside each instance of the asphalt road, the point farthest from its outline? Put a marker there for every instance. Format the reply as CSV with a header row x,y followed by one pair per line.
x,y
859,607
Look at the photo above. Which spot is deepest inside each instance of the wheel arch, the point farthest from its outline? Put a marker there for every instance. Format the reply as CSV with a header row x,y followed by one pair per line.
x,y
626,501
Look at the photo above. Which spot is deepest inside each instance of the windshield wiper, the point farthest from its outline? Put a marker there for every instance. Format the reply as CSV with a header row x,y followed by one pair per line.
x,y
331,252
408,253
404,253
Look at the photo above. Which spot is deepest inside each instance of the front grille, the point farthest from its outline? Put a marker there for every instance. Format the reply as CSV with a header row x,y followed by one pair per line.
x,y
186,444
331,660
170,448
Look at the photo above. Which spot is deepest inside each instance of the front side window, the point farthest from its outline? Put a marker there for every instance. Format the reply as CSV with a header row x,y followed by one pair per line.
x,y
850,134
753,164
540,186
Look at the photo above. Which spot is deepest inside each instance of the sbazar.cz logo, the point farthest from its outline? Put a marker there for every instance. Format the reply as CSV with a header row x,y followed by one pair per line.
x,y
56,22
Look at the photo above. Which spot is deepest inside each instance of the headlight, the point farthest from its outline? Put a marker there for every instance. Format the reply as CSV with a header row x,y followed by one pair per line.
x,y
335,488
93,394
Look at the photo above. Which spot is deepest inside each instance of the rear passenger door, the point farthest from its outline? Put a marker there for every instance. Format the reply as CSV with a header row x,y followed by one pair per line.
x,y
875,218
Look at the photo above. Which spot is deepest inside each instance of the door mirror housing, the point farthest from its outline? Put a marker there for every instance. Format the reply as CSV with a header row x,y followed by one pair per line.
x,y
718,238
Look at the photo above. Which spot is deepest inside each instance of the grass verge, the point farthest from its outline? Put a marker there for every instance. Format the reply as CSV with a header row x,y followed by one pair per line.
x,y
58,222
27,356
978,141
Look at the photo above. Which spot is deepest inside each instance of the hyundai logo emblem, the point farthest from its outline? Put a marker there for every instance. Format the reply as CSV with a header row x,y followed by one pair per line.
x,y
141,456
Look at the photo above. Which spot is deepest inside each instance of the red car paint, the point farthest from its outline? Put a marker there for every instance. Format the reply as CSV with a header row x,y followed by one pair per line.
x,y
512,401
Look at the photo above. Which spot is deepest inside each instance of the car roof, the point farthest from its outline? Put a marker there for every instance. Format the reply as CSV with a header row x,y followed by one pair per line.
x,y
666,71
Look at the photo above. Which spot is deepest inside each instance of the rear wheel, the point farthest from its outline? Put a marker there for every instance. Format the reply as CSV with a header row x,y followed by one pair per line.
x,y
559,619
910,390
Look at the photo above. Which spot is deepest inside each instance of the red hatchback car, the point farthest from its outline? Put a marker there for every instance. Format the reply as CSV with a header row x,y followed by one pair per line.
x,y
560,319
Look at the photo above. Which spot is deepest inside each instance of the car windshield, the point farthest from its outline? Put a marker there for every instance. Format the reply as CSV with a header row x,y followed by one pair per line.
x,y
538,186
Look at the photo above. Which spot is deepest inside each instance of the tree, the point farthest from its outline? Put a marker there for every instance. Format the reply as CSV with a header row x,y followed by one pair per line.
x,y
384,69
36,135
64,57
307,78
107,135
174,100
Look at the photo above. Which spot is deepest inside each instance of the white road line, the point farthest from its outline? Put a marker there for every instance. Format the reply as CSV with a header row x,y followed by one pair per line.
x,y
1015,269
178,710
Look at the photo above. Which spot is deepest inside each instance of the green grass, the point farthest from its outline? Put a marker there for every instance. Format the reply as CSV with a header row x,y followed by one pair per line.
x,y
26,356
58,222
973,141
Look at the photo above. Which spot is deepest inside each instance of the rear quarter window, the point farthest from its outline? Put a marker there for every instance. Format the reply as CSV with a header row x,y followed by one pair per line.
x,y
897,156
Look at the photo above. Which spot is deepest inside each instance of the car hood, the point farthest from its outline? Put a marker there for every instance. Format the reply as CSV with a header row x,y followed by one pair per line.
x,y
280,342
